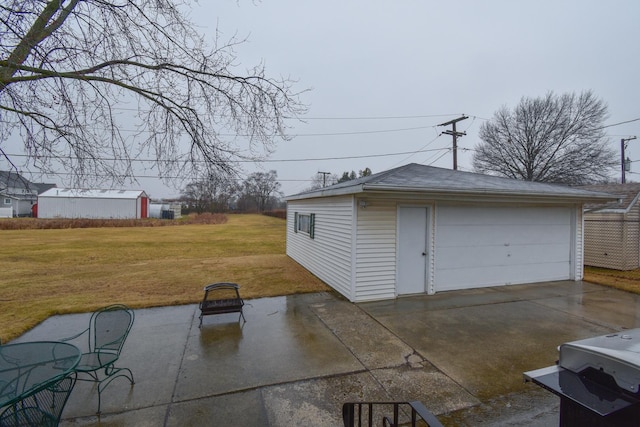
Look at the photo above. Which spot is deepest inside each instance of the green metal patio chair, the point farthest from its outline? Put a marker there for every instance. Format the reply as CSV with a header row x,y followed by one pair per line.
x,y
108,329
43,407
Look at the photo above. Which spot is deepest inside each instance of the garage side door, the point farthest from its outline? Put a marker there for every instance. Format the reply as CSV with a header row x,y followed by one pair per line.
x,y
485,246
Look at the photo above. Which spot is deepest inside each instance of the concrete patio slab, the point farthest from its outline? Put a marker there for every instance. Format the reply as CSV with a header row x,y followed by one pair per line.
x,y
298,358
236,409
282,341
373,346
486,348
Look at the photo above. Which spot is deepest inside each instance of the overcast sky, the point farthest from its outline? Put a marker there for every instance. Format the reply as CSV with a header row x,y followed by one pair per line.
x,y
383,74
377,60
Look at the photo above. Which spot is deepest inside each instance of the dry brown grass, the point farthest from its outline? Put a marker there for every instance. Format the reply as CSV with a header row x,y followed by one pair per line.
x,y
56,271
625,280
61,223
49,272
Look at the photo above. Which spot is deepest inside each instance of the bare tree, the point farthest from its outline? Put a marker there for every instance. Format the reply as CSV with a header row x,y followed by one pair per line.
x,y
213,194
548,139
322,179
109,87
262,188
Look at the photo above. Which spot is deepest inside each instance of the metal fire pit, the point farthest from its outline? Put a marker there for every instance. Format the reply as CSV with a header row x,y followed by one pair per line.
x,y
597,379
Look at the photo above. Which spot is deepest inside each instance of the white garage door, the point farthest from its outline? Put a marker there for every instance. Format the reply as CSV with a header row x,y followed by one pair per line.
x,y
487,246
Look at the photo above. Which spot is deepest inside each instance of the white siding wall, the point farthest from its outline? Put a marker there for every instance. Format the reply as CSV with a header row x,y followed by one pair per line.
x,y
6,212
578,261
360,261
67,207
329,254
376,251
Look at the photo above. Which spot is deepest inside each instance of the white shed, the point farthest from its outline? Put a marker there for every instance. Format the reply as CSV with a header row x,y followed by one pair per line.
x,y
420,229
98,204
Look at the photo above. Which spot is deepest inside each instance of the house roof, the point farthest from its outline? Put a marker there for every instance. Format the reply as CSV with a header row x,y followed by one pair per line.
x,y
628,195
43,186
92,193
17,186
10,179
416,178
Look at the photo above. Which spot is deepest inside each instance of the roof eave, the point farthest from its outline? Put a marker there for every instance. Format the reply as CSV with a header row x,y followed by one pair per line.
x,y
491,192
355,189
376,188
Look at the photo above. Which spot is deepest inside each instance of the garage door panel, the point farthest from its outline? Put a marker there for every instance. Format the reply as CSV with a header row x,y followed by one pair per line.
x,y
447,280
481,215
511,235
484,246
500,255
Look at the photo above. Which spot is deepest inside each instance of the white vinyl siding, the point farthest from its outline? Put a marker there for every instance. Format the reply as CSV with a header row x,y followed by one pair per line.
x,y
470,244
578,237
480,246
375,277
328,254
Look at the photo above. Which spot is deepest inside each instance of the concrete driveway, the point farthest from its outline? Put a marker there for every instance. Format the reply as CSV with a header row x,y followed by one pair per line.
x,y
298,358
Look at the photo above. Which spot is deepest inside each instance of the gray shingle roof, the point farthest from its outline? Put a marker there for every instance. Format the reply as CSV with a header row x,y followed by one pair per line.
x,y
13,180
12,183
629,194
432,180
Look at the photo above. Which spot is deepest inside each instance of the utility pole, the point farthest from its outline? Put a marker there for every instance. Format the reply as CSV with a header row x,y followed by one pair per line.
x,y
623,146
324,178
453,132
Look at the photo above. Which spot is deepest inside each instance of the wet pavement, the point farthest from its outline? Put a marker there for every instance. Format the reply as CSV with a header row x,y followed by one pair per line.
x,y
298,358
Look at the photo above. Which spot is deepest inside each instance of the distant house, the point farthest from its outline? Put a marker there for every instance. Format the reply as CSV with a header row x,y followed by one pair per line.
x,y
612,230
18,194
420,230
99,204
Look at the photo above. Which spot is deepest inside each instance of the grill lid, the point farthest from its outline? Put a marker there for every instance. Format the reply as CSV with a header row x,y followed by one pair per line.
x,y
616,354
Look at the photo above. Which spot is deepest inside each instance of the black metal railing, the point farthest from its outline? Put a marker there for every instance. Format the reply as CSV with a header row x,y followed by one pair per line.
x,y
358,414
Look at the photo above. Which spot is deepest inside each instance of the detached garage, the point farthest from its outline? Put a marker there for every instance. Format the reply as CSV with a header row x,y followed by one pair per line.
x,y
420,229
98,204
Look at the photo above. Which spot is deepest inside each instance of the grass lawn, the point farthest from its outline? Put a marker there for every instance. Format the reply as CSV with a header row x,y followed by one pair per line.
x,y
625,280
57,271
47,272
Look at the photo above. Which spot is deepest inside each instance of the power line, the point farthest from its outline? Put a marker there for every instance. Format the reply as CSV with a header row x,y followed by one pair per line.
x,y
364,132
135,176
358,132
408,117
618,124
439,157
438,135
310,159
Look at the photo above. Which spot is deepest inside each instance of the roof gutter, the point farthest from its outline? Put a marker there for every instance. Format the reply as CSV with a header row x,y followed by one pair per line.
x,y
485,192
326,193
374,188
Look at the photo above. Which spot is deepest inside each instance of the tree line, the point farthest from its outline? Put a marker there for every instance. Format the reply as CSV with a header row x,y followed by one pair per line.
x,y
219,192
259,192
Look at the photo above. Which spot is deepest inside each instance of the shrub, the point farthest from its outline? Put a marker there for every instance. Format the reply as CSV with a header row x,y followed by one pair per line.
x,y
59,223
278,213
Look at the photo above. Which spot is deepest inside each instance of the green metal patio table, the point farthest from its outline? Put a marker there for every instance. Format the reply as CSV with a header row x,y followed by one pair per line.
x,y
26,367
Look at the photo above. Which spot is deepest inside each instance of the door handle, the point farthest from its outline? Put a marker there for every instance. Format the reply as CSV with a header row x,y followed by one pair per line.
x,y
424,254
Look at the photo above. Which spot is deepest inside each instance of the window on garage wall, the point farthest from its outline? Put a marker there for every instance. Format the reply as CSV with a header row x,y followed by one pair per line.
x,y
305,223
